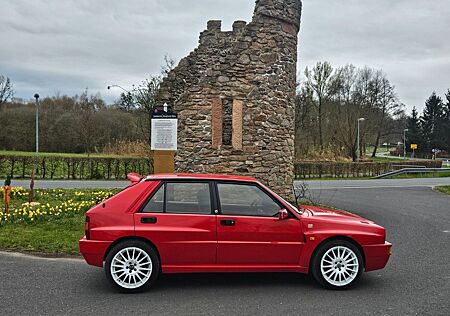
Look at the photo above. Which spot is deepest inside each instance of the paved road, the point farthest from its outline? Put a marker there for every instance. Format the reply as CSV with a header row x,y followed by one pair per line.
x,y
372,183
415,282
316,184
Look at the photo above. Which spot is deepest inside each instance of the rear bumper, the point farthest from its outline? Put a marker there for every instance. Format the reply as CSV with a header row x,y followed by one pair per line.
x,y
94,251
377,256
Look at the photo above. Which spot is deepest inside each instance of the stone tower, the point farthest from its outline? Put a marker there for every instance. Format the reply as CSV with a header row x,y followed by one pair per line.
x,y
235,97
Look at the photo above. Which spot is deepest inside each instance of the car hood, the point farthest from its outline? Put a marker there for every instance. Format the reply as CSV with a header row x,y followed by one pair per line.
x,y
335,214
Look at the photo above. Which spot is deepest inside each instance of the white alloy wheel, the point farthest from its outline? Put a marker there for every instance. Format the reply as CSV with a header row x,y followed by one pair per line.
x,y
131,268
339,266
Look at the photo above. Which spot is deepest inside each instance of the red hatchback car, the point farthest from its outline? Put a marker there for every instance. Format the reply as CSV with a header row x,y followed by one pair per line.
x,y
211,223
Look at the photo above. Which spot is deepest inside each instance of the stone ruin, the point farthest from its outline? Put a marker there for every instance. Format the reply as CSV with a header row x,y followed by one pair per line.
x,y
235,97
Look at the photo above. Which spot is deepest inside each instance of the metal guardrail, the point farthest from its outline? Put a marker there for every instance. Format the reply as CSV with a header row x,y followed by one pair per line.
x,y
411,170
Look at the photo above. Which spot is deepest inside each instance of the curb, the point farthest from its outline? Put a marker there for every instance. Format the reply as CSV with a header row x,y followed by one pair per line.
x,y
41,255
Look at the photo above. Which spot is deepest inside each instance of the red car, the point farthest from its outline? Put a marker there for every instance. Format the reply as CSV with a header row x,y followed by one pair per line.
x,y
212,223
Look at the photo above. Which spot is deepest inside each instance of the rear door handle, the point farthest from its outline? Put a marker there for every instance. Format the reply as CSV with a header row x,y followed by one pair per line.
x,y
149,220
227,222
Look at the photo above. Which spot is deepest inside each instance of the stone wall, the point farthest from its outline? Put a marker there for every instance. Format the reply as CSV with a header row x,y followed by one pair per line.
x,y
235,97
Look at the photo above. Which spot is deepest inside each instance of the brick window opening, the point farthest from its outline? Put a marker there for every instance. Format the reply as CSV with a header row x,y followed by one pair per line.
x,y
227,115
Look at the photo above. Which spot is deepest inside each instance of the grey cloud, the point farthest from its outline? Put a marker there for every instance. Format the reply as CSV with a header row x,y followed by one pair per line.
x,y
66,46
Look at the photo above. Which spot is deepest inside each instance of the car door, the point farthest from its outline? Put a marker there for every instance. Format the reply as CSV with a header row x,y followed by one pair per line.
x,y
178,219
249,231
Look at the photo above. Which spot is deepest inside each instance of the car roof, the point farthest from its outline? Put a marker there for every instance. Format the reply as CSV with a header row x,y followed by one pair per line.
x,y
192,176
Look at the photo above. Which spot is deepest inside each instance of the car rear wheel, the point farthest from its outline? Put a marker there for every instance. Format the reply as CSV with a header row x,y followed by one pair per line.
x,y
132,266
337,265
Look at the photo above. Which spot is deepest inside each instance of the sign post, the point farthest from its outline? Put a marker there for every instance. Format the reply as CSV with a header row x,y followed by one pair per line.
x,y
414,148
164,141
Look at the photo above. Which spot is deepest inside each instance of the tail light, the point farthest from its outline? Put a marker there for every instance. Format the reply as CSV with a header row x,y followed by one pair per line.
x,y
87,228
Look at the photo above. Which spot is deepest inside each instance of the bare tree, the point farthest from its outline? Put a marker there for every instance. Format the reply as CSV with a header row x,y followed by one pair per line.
x,y
145,97
318,81
305,122
387,106
89,106
6,90
169,65
344,109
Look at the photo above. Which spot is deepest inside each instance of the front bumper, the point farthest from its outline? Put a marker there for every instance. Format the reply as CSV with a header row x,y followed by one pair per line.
x,y
377,256
93,251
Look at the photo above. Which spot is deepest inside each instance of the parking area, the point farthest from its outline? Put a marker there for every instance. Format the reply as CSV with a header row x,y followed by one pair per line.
x,y
415,282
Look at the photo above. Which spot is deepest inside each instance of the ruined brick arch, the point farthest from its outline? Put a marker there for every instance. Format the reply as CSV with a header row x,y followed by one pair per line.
x,y
235,97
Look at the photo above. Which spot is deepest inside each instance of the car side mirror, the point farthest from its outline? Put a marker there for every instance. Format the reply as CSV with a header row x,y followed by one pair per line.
x,y
283,214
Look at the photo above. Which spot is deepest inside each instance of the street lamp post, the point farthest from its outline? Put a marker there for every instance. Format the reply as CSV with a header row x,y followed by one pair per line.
x,y
117,86
362,119
33,172
36,96
404,142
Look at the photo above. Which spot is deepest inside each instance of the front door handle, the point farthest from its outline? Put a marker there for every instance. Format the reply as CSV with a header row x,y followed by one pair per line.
x,y
228,222
149,220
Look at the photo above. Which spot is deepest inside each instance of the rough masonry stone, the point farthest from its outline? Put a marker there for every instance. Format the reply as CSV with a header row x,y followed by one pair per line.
x,y
240,82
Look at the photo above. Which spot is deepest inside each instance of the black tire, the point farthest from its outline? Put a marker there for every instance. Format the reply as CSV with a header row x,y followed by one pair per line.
x,y
154,265
316,269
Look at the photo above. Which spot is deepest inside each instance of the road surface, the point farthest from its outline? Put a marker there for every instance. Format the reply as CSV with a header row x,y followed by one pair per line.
x,y
415,282
316,184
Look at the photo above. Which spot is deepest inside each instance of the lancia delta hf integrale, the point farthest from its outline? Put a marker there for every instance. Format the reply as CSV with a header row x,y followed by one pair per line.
x,y
213,223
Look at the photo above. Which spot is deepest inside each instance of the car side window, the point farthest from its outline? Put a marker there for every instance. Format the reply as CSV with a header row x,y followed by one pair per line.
x,y
181,198
188,198
246,200
156,203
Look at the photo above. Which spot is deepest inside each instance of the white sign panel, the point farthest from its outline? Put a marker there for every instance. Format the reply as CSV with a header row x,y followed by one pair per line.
x,y
164,134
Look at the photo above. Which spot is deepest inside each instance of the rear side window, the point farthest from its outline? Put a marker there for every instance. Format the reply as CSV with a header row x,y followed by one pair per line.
x,y
246,200
181,198
156,203
192,198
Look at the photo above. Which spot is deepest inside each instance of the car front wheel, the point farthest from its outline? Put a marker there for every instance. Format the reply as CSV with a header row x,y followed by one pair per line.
x,y
337,265
132,266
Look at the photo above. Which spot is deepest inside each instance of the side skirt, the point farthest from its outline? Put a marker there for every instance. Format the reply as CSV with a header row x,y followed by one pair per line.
x,y
232,268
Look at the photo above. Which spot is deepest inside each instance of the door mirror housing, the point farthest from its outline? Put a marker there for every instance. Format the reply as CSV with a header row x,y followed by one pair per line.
x,y
283,214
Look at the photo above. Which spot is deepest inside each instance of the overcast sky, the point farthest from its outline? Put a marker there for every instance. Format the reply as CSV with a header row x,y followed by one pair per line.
x,y
65,46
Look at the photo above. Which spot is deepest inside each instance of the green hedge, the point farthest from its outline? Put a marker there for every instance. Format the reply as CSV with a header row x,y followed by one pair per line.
x,y
305,170
50,167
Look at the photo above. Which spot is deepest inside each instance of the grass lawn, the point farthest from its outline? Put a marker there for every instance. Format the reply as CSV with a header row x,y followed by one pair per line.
x,y
57,237
53,226
443,189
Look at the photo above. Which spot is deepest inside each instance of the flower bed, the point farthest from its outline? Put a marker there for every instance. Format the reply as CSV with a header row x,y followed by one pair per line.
x,y
51,204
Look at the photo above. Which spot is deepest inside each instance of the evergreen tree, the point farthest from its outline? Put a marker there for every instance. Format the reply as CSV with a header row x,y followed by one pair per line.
x,y
414,134
447,122
432,123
